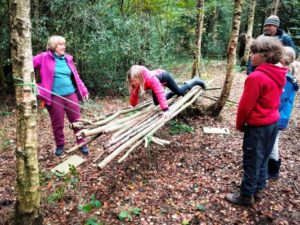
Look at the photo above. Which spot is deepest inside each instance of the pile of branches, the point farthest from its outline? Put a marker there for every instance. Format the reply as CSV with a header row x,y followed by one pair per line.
x,y
130,127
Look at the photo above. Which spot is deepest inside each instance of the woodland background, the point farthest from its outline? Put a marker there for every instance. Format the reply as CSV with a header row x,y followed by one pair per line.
x,y
106,38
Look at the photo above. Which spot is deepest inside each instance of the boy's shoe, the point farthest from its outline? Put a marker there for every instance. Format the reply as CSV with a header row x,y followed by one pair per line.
x,y
84,150
259,195
59,150
238,199
273,169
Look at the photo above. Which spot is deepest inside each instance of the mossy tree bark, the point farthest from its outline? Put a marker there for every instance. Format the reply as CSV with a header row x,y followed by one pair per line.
x,y
214,23
28,196
216,108
199,29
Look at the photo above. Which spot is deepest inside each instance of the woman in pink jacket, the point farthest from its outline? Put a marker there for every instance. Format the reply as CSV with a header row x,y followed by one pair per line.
x,y
141,79
60,88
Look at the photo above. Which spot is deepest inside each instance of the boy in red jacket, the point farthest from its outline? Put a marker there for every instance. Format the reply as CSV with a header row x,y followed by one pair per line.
x,y
257,117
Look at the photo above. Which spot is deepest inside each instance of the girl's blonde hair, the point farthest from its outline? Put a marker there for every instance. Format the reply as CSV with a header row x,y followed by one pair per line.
x,y
294,68
53,42
289,60
135,72
288,56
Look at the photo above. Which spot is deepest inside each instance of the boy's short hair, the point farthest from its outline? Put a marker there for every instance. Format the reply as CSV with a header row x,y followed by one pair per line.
x,y
270,47
53,41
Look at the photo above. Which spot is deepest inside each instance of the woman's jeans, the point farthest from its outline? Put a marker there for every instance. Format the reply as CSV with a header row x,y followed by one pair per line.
x,y
257,146
59,106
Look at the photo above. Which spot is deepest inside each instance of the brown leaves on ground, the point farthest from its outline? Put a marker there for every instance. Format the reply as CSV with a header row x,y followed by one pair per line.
x,y
183,183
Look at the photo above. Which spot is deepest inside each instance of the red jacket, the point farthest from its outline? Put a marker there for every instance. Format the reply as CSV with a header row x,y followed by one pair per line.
x,y
260,100
151,83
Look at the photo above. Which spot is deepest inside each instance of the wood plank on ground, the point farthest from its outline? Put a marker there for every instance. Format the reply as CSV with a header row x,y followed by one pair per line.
x,y
215,130
63,168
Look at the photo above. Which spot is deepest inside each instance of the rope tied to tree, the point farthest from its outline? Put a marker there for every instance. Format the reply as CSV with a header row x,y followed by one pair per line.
x,y
20,82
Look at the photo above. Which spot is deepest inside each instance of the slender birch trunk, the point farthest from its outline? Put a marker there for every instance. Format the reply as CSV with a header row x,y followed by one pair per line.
x,y
28,196
197,48
275,7
217,107
251,12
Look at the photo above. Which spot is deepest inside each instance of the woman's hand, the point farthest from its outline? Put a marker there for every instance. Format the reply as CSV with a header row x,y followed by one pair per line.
x,y
86,97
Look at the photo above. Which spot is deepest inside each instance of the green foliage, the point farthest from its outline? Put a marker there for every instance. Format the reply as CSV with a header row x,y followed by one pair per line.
x,y
5,113
4,142
185,222
4,33
179,128
201,208
70,181
58,195
44,178
93,204
73,177
123,215
92,221
135,211
106,37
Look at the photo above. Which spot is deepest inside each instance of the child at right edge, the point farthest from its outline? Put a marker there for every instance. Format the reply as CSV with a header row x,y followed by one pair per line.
x,y
257,117
286,106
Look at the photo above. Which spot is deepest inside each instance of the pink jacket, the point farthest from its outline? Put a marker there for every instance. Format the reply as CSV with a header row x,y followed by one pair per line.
x,y
45,63
151,83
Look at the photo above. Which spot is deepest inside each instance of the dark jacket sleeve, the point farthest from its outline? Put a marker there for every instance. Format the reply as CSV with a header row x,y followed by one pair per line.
x,y
250,67
287,41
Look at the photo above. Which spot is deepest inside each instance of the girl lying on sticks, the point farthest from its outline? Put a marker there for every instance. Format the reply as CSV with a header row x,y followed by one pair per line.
x,y
141,79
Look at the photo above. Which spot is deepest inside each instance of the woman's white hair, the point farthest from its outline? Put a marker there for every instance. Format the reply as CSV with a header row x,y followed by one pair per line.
x,y
53,42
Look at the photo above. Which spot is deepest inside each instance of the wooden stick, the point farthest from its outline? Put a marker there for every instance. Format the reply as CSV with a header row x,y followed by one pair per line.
x,y
130,150
153,127
212,88
134,129
82,144
216,99
160,141
130,135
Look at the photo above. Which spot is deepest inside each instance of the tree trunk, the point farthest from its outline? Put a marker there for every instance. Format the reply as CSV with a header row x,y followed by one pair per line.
x,y
217,107
199,28
214,29
28,196
275,7
250,23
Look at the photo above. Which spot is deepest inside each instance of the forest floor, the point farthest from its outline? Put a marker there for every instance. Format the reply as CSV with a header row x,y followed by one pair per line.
x,y
182,183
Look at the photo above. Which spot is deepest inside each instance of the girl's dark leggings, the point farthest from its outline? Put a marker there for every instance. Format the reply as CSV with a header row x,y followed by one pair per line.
x,y
167,80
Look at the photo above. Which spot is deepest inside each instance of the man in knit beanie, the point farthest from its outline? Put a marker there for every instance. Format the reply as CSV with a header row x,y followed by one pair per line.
x,y
271,25
271,28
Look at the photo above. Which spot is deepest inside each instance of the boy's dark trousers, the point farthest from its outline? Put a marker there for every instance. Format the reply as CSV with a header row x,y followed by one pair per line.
x,y
257,147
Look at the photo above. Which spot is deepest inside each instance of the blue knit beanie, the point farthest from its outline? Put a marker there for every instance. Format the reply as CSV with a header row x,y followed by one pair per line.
x,y
272,20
